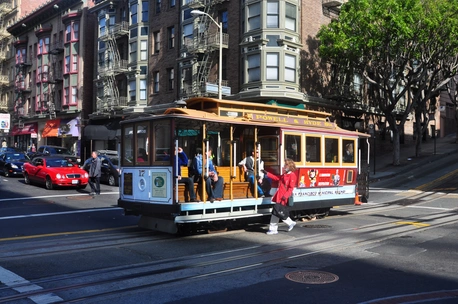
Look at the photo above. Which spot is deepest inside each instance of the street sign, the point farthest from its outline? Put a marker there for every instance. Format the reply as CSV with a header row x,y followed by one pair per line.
x,y
5,122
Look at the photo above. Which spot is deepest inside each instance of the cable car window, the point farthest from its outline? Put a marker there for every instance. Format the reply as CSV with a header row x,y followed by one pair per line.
x,y
142,144
269,149
293,147
348,151
162,141
128,145
331,150
313,149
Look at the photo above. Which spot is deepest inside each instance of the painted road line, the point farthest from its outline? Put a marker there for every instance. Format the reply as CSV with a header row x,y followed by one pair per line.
x,y
416,297
384,190
416,224
11,279
58,213
51,196
64,233
433,208
432,184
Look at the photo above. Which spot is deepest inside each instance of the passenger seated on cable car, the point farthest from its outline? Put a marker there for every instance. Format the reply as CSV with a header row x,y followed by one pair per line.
x,y
214,183
142,156
182,160
348,154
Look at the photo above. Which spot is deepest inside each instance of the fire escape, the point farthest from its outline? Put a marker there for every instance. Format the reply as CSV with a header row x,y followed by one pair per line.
x,y
6,8
55,71
22,87
204,49
112,66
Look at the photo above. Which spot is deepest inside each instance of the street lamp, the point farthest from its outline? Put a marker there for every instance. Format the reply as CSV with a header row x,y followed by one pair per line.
x,y
220,64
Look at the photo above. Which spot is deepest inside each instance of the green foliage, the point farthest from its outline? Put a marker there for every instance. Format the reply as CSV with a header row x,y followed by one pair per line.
x,y
403,48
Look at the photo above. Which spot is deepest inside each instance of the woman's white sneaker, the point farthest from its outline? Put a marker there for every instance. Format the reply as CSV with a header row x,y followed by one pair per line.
x,y
290,227
271,232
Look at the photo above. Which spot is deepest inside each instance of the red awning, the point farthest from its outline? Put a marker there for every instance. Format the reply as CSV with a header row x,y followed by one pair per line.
x,y
27,129
51,128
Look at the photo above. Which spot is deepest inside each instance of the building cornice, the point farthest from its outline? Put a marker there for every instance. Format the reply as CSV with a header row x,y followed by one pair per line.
x,y
40,15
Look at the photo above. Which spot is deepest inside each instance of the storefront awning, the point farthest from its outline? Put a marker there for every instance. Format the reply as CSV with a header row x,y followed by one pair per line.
x,y
27,129
51,128
98,132
61,128
69,128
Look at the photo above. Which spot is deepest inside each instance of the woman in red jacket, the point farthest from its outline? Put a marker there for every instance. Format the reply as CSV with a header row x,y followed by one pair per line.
x,y
286,183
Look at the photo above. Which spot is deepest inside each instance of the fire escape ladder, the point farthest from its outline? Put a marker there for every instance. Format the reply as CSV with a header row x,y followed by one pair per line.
x,y
113,63
205,59
53,73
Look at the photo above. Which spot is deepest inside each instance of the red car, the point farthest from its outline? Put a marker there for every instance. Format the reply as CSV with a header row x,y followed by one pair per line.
x,y
53,171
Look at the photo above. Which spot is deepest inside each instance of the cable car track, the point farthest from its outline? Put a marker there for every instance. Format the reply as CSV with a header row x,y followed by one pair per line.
x,y
100,241
182,270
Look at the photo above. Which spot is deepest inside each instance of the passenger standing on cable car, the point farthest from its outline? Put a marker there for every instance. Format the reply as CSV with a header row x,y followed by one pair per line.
x,y
248,167
286,183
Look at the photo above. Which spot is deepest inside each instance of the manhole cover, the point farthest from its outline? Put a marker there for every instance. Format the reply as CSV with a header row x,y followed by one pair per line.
x,y
312,277
80,198
317,226
36,203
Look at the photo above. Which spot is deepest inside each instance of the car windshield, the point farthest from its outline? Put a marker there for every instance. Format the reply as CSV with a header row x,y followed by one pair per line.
x,y
56,163
61,151
16,157
114,160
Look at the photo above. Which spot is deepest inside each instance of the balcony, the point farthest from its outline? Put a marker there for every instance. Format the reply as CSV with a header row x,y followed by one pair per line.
x,y
332,3
23,61
196,4
205,43
113,68
115,31
108,103
22,87
213,40
5,7
56,47
4,80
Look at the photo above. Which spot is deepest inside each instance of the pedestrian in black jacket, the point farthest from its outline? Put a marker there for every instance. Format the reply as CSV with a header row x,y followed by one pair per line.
x,y
95,171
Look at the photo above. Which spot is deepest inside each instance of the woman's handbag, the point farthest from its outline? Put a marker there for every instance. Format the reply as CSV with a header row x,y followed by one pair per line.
x,y
280,211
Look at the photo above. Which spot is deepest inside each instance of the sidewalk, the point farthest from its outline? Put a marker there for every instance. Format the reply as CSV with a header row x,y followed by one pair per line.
x,y
384,162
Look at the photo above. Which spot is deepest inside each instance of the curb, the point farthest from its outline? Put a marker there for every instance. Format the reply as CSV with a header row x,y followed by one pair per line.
x,y
431,159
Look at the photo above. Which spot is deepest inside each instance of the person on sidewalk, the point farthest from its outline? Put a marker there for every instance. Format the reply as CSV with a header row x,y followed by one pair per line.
x,y
182,160
286,183
95,171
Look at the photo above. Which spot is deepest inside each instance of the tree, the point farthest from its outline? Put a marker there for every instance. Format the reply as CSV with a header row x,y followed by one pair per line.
x,y
404,49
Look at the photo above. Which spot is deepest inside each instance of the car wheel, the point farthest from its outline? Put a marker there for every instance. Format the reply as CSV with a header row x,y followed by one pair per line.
x,y
48,183
5,172
111,180
26,179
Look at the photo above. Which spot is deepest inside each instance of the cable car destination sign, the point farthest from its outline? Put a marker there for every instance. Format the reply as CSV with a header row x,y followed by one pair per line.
x,y
290,120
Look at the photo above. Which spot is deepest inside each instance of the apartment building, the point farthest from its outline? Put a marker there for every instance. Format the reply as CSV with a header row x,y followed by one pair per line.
x,y
53,75
10,12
